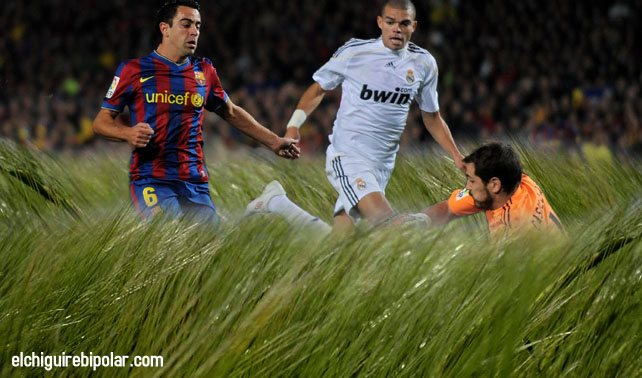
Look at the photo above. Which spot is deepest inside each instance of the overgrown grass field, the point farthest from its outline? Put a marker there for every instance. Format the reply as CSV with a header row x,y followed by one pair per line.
x,y
80,272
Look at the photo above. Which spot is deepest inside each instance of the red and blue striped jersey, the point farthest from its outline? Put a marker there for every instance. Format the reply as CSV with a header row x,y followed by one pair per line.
x,y
169,97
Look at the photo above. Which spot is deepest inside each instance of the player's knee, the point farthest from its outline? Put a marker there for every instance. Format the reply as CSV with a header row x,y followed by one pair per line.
x,y
202,214
375,208
342,224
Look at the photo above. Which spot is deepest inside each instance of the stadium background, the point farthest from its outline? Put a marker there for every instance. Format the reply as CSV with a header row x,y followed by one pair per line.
x,y
557,75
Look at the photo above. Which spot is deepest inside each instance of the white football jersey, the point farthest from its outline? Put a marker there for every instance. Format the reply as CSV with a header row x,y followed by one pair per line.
x,y
378,84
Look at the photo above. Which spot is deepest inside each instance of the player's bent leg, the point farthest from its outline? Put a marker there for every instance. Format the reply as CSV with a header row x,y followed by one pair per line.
x,y
360,186
375,208
343,224
200,213
259,205
196,203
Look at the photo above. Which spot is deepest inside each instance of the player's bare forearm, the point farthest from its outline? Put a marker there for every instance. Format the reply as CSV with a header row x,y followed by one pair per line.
x,y
244,122
309,101
311,98
292,132
439,213
106,126
439,130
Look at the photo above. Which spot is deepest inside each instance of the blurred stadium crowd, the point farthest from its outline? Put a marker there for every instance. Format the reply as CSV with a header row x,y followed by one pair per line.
x,y
562,75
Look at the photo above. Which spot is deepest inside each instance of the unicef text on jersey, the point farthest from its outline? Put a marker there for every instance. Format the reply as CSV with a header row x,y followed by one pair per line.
x,y
170,98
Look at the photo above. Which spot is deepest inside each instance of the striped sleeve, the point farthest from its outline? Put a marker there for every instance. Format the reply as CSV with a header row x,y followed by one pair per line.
x,y
121,88
216,95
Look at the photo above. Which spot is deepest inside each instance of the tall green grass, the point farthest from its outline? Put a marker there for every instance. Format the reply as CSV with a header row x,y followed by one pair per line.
x,y
79,272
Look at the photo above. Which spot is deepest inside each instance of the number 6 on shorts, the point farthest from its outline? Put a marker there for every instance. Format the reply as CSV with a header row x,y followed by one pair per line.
x,y
150,197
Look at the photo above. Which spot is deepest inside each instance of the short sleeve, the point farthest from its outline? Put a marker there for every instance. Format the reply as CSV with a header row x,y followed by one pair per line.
x,y
216,96
427,97
331,74
121,89
328,76
462,203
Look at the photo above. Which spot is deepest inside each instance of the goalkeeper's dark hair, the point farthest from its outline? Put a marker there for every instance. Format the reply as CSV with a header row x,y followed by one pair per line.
x,y
497,160
400,4
167,11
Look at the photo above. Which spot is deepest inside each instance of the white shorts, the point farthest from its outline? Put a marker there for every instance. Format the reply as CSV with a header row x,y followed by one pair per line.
x,y
353,178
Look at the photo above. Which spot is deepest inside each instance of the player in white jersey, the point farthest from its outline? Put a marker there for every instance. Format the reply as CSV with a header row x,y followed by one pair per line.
x,y
379,79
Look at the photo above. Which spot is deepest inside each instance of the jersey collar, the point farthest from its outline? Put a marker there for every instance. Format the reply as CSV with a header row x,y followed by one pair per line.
x,y
170,62
399,53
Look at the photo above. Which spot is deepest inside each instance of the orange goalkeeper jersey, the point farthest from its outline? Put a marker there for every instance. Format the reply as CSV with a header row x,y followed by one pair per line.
x,y
526,209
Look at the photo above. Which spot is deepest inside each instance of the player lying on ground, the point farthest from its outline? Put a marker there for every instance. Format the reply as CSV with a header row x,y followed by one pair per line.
x,y
495,184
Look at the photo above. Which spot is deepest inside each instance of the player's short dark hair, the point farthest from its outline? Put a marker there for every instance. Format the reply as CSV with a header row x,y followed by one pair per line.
x,y
400,4
167,11
497,160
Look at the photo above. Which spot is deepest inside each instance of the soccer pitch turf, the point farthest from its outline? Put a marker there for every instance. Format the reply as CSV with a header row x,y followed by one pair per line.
x,y
80,273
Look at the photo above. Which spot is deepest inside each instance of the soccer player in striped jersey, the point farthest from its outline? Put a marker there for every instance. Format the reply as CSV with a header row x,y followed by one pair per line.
x,y
167,92
495,184
379,79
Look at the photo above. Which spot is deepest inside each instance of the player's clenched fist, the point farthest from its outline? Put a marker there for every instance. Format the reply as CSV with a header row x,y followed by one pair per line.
x,y
140,135
286,148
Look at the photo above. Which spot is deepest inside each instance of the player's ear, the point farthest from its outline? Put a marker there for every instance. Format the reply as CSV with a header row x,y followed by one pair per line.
x,y
380,22
495,185
164,28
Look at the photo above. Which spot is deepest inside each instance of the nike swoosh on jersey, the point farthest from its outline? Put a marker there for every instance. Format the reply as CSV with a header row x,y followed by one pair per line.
x,y
142,80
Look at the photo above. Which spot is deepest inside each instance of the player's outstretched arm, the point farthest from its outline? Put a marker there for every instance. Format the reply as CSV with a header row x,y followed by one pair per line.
x,y
439,213
309,101
439,130
106,126
244,122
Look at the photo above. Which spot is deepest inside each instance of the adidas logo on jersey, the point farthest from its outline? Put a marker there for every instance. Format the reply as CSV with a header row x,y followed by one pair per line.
x,y
390,64
396,97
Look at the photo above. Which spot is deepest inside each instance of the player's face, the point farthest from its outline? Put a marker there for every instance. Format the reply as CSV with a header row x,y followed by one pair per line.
x,y
478,190
397,26
184,32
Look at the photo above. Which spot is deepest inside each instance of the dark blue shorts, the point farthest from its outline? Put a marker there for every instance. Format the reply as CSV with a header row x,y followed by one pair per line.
x,y
174,199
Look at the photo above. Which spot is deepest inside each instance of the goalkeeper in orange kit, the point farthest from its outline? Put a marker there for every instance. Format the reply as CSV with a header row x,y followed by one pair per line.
x,y
496,184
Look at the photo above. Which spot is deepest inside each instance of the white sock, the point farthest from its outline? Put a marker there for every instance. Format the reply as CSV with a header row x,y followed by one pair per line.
x,y
296,216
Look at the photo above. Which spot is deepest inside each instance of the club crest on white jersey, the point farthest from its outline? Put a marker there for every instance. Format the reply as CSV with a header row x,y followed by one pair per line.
x,y
378,86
